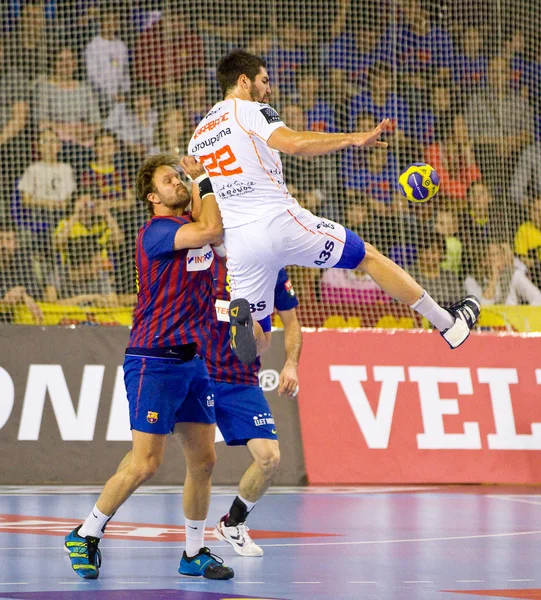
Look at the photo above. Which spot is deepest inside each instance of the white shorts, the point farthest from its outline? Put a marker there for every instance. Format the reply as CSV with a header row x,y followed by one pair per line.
x,y
257,251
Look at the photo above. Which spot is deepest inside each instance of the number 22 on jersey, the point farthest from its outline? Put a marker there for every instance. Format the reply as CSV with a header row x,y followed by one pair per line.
x,y
217,163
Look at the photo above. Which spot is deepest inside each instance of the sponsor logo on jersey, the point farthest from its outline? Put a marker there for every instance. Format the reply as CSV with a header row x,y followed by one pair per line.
x,y
199,259
222,310
210,399
152,417
325,225
211,125
212,140
270,115
235,188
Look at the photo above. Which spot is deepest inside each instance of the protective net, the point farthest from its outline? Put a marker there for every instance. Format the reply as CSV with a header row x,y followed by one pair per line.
x,y
90,88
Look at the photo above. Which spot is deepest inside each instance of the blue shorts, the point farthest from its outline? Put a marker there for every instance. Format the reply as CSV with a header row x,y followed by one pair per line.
x,y
243,413
165,391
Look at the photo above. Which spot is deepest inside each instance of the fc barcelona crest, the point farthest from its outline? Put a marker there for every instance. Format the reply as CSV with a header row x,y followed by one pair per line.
x,y
152,417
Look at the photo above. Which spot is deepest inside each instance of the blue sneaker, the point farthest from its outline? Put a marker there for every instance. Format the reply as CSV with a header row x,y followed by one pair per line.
x,y
85,555
205,564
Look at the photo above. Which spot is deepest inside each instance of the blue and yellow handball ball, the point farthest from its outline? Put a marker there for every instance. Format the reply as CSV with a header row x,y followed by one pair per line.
x,y
419,182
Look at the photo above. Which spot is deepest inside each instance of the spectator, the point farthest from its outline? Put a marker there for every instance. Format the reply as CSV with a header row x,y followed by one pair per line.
x,y
102,173
90,217
526,181
352,51
428,124
287,55
447,226
471,63
373,173
418,48
453,159
195,98
82,279
381,100
500,279
14,113
18,283
68,106
107,63
48,184
500,122
443,286
134,123
26,45
172,133
319,114
477,225
166,51
528,241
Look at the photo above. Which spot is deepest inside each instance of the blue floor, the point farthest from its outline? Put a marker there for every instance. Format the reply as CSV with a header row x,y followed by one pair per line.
x,y
369,543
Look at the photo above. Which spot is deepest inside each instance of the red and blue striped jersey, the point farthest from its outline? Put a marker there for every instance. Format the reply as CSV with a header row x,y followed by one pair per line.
x,y
174,289
222,363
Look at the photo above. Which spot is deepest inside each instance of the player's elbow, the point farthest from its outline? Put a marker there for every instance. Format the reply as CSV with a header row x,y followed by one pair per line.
x,y
213,233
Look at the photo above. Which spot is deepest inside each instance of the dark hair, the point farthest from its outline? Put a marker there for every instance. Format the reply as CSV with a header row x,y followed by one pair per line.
x,y
144,181
235,64
82,250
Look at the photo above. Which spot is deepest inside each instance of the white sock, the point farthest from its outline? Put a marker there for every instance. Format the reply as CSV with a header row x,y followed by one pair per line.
x,y
249,505
195,535
94,524
438,316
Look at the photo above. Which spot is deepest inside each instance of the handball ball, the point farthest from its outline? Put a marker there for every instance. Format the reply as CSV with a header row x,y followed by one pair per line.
x,y
419,182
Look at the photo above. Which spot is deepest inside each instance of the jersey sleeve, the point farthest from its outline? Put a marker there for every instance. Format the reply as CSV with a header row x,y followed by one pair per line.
x,y
284,295
159,238
260,119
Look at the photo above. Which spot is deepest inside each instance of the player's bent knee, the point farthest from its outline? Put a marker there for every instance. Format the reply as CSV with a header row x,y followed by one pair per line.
x,y
353,253
268,460
143,471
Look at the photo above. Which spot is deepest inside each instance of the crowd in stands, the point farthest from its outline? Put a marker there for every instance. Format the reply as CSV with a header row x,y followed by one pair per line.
x,y
89,88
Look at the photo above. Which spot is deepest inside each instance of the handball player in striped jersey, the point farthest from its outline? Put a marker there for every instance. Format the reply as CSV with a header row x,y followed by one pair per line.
x,y
167,382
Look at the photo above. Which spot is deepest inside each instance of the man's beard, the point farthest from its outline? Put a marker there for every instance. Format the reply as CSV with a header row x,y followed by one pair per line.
x,y
255,95
179,201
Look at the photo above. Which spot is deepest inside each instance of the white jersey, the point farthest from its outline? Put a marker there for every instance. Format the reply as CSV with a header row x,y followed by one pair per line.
x,y
246,174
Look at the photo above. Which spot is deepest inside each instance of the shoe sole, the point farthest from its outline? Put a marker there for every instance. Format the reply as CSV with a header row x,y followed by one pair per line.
x,y
241,331
220,536
193,576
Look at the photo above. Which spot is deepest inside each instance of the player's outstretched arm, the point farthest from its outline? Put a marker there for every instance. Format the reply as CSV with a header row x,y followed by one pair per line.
x,y
312,143
208,227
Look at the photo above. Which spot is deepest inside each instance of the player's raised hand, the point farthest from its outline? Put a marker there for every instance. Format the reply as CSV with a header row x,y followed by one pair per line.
x,y
191,167
371,138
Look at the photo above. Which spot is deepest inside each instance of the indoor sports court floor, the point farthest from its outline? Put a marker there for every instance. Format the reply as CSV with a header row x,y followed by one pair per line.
x,y
322,543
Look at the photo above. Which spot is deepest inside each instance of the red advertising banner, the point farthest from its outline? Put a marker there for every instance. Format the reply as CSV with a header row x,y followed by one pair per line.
x,y
401,407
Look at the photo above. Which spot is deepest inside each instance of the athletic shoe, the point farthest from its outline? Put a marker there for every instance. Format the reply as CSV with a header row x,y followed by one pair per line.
x,y
238,537
84,554
205,564
241,331
466,312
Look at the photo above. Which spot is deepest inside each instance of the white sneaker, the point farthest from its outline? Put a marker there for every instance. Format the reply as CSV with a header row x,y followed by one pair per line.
x,y
239,538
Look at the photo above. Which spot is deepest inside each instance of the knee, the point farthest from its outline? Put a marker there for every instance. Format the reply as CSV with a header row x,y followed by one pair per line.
x,y
144,470
202,465
268,461
371,256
